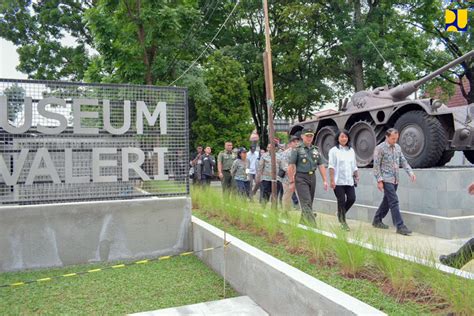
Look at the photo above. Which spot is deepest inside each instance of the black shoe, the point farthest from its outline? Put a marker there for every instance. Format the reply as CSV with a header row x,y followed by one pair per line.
x,y
403,230
445,260
379,225
345,227
450,260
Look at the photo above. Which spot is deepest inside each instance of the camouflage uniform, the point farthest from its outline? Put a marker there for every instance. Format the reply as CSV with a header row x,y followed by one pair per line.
x,y
239,173
264,175
287,194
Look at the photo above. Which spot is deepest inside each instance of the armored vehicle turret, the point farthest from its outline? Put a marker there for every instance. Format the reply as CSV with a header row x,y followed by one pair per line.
x,y
430,132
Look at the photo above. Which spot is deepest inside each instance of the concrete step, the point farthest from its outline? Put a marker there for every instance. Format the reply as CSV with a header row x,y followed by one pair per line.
x,y
241,305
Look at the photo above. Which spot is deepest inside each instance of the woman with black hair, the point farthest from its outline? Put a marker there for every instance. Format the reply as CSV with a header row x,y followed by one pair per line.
x,y
343,175
240,172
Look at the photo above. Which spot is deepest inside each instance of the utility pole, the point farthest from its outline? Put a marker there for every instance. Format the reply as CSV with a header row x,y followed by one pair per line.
x,y
267,65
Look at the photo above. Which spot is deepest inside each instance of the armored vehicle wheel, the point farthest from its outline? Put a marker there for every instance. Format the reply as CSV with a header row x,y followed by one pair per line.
x,y
325,140
422,138
445,158
469,154
363,141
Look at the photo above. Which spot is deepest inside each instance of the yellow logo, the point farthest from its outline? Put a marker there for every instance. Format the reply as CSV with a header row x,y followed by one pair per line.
x,y
456,20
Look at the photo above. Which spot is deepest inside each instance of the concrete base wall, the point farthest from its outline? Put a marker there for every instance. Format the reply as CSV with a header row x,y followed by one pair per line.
x,y
437,204
275,286
50,235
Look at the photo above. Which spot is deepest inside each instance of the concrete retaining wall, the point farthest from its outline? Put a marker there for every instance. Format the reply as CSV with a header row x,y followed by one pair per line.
x,y
277,287
50,235
437,204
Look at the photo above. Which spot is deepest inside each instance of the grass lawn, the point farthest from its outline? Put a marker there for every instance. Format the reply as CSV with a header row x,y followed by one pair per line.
x,y
137,288
163,186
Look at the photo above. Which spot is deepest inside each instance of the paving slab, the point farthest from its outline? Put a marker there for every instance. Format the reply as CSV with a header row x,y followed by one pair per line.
x,y
242,305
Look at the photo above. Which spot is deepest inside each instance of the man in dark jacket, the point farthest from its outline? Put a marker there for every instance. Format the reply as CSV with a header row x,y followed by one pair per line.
x,y
208,165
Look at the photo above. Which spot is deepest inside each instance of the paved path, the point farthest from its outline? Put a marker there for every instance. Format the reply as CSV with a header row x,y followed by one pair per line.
x,y
241,305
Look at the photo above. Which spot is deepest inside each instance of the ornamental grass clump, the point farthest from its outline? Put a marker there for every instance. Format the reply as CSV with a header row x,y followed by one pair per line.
x,y
272,226
351,258
399,273
233,209
319,246
294,235
455,290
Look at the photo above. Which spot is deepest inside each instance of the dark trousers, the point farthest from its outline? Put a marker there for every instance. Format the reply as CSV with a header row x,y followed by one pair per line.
x,y
305,186
226,181
206,180
265,191
389,202
345,195
465,254
280,192
243,188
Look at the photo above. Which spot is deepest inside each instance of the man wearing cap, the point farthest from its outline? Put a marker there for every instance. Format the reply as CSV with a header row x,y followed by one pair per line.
x,y
301,173
225,159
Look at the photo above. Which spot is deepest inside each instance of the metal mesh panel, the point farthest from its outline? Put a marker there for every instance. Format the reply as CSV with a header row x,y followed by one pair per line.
x,y
56,144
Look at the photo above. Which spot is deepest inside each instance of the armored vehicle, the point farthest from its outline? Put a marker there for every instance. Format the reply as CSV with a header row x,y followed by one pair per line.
x,y
430,132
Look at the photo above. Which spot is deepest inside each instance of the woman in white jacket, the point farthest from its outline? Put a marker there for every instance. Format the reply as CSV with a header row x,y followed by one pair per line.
x,y
343,175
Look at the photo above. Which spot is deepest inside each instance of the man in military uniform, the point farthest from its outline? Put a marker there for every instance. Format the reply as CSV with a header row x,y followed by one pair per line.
x,y
302,166
224,164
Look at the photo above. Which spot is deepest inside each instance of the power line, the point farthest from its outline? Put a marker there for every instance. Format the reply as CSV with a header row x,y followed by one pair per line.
x,y
187,39
210,43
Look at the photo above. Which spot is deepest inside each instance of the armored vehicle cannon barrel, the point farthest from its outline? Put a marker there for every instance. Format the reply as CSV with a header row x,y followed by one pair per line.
x,y
430,132
402,91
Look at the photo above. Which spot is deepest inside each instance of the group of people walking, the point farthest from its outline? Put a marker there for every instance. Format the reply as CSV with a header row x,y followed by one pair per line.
x,y
344,176
247,171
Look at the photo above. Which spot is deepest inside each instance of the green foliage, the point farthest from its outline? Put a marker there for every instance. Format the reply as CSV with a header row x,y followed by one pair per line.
x,y
39,29
137,39
15,101
352,258
225,116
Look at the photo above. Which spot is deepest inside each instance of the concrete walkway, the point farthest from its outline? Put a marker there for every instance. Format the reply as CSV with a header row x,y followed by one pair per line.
x,y
417,245
241,305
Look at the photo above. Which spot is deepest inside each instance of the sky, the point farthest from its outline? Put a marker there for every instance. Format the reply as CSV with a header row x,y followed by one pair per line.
x,y
9,60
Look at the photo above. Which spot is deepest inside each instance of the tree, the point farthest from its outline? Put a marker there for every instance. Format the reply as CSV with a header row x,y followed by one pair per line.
x,y
38,28
225,116
428,17
137,39
15,101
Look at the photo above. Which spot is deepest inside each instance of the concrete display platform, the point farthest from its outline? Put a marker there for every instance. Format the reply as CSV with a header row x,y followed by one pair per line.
x,y
437,204
241,305
279,288
52,235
